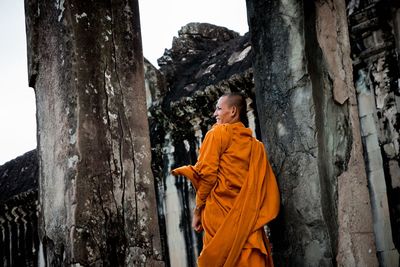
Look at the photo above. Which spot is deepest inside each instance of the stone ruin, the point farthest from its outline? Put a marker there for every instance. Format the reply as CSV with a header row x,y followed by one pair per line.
x,y
326,110
19,239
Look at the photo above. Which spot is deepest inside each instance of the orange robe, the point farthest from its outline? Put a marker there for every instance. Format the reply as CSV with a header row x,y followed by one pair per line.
x,y
237,187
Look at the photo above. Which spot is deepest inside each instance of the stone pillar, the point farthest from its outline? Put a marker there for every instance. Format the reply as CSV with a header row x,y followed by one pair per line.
x,y
96,189
303,73
386,250
356,241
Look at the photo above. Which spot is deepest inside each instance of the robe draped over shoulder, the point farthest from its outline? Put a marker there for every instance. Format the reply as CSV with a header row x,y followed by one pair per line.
x,y
237,187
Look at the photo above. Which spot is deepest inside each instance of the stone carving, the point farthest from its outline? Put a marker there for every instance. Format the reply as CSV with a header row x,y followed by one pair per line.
x,y
19,241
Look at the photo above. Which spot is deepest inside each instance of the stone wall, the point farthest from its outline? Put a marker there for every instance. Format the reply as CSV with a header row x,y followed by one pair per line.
x,y
376,75
19,239
303,71
285,85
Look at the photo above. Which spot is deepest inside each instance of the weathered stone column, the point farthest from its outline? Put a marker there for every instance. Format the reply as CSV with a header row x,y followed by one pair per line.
x,y
303,72
96,187
356,243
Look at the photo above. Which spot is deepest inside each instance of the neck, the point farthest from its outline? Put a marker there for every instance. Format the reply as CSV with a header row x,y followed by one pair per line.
x,y
234,120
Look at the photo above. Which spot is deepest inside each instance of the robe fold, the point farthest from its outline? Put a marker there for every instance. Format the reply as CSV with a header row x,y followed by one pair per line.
x,y
235,184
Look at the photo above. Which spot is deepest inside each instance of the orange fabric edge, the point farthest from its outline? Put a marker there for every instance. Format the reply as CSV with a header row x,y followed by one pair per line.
x,y
189,172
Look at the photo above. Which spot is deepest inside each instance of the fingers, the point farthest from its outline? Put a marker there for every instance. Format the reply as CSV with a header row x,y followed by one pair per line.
x,y
198,228
196,225
196,222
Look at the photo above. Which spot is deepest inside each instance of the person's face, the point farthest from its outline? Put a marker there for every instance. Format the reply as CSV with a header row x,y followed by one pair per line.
x,y
223,112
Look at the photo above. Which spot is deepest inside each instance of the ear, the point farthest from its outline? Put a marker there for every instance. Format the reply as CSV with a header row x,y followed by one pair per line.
x,y
234,111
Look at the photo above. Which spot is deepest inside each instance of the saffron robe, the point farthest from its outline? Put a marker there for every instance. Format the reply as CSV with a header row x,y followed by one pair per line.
x,y
235,184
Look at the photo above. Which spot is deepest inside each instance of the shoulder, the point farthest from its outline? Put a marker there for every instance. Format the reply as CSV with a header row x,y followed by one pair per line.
x,y
259,145
220,134
258,142
221,131
220,127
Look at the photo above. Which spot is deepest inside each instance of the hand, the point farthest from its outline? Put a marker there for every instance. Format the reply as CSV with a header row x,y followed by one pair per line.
x,y
196,222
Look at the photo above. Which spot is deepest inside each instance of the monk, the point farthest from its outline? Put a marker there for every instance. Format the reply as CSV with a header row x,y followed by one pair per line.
x,y
236,191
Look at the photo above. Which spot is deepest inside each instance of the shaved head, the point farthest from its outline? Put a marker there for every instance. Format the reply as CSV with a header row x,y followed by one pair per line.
x,y
239,101
236,99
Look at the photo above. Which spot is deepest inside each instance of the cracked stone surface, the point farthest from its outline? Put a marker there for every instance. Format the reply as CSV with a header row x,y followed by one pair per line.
x,y
304,74
97,197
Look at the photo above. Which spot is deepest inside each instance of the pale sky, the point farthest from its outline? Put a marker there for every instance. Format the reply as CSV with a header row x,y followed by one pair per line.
x,y
160,21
